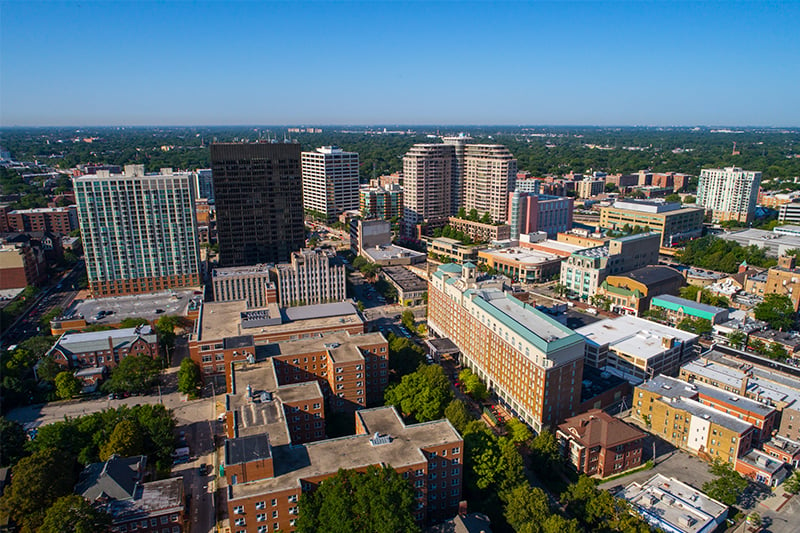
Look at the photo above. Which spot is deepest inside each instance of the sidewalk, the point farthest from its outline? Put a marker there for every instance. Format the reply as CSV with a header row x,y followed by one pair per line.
x,y
776,500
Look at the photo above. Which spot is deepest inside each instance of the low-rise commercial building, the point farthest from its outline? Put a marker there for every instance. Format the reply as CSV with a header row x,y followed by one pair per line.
x,y
785,450
676,309
671,505
453,250
636,349
478,231
631,293
596,443
522,264
675,224
411,289
761,468
584,271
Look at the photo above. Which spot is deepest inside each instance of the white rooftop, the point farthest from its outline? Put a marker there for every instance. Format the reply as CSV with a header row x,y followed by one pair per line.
x,y
633,336
672,505
525,256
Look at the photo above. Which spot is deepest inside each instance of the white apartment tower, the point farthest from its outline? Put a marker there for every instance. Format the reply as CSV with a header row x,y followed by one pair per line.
x,y
490,174
730,192
427,184
138,230
313,277
330,181
459,142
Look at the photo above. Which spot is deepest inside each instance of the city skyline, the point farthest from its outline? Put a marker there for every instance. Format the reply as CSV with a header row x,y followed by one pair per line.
x,y
547,63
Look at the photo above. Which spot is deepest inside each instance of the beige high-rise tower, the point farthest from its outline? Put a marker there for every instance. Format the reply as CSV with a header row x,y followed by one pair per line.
x,y
490,173
427,184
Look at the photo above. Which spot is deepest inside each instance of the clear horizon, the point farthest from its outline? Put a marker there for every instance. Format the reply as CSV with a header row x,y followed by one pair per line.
x,y
545,64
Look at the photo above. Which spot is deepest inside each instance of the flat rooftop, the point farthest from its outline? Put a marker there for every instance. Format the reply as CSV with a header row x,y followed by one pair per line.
x,y
664,500
386,252
312,460
525,256
145,306
683,302
706,412
558,246
633,336
218,320
594,253
406,279
340,346
241,271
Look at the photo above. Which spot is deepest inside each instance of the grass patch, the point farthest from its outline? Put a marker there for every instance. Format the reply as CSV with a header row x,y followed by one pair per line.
x,y
647,466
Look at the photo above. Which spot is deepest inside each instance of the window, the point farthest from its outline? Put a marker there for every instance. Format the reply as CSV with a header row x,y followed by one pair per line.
x,y
293,498
153,522
239,522
261,517
263,529
164,520
274,502
239,509
274,514
261,505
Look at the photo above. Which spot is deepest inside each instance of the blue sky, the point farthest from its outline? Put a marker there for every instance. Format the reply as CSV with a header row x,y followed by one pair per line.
x,y
598,63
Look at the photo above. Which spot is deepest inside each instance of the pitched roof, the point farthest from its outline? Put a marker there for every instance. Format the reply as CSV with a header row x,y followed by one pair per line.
x,y
596,427
117,478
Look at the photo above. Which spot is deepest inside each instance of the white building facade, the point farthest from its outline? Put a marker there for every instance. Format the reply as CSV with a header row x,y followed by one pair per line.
x,y
730,192
330,181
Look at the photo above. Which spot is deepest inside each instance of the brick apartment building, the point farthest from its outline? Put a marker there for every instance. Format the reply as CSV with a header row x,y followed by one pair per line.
x,y
61,220
103,348
596,443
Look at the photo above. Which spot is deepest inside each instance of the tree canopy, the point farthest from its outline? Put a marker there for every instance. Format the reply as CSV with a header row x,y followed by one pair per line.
x,y
718,254
777,310
134,373
378,500
67,385
73,514
728,486
12,443
189,378
422,395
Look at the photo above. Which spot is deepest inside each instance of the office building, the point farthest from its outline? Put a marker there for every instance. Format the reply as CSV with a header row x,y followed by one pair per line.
x,y
259,202
531,212
675,223
312,277
385,203
204,184
730,193
428,171
139,230
452,250
631,293
636,349
596,443
410,288
330,182
531,362
588,187
61,220
250,283
671,410
365,234
490,174
669,504
584,270
789,213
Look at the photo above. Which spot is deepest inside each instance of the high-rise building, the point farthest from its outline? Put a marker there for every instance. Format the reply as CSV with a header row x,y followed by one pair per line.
x,y
381,202
459,142
730,192
259,201
139,230
490,173
531,212
204,184
312,277
427,184
530,361
330,181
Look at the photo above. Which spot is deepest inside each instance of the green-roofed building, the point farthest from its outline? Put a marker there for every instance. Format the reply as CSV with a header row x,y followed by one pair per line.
x,y
533,363
677,309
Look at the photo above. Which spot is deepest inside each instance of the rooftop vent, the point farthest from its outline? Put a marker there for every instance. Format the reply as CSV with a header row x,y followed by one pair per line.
x,y
378,439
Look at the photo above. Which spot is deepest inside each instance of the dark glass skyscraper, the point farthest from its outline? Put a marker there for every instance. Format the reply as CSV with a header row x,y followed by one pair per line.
x,y
259,202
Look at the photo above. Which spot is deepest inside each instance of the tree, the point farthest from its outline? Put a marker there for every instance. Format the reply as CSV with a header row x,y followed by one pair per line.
x,y
728,486
559,289
407,319
458,415
189,378
524,505
473,384
486,218
12,443
689,199
135,373
672,198
698,326
422,395
125,441
48,369
378,500
518,432
39,480
792,483
545,452
610,187
67,385
405,356
132,322
473,215
165,327
737,339
73,514
777,310
462,213
777,352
